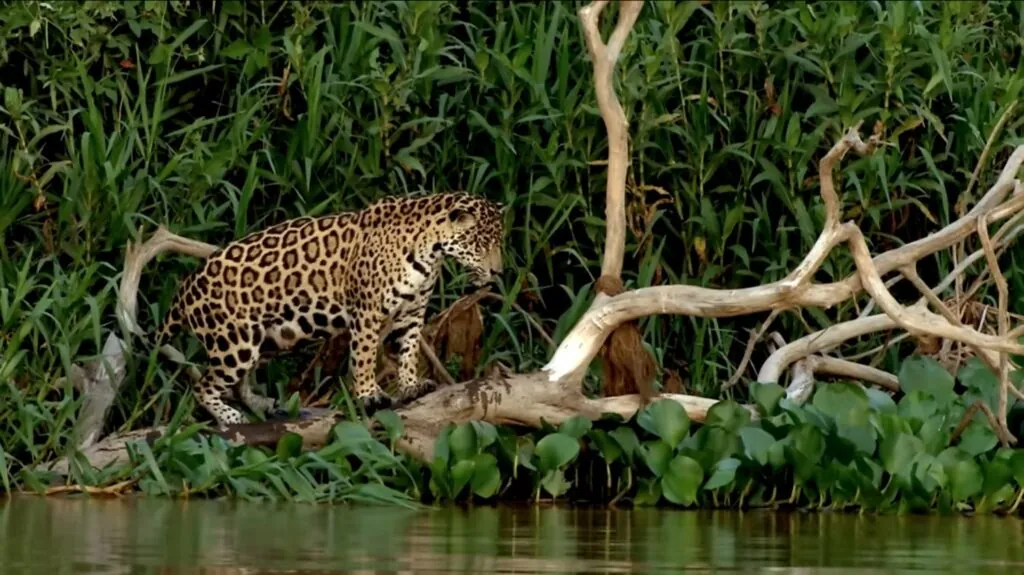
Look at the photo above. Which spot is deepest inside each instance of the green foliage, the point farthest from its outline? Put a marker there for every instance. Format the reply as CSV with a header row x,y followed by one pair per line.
x,y
845,449
216,119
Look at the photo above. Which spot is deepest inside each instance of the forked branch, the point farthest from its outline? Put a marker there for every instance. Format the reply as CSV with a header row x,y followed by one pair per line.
x,y
604,56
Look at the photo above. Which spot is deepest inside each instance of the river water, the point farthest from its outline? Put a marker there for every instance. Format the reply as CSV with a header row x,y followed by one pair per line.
x,y
138,535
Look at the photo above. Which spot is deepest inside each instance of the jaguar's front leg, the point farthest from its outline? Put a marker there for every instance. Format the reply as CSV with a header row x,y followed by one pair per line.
x,y
366,339
407,332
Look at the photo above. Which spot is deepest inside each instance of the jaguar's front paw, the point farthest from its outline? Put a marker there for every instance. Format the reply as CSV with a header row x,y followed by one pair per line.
x,y
376,402
411,393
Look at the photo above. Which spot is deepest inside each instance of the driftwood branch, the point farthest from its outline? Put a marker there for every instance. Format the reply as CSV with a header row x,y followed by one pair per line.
x,y
98,383
802,384
1004,327
604,56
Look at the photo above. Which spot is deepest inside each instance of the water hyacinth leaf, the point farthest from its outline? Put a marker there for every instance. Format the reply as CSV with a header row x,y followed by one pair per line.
x,y
983,385
486,433
767,396
977,376
997,475
756,443
880,400
627,440
919,373
965,479
462,473
462,441
710,444
918,406
666,419
442,450
556,450
891,425
682,479
978,438
841,400
648,492
928,473
554,483
608,448
486,476
805,448
777,454
507,442
524,452
656,454
723,474
727,414
1017,467
576,426
898,452
935,433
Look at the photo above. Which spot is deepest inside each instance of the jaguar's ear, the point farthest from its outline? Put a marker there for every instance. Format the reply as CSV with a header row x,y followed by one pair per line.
x,y
461,218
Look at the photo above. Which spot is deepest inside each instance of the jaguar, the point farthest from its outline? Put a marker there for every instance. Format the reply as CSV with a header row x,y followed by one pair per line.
x,y
369,271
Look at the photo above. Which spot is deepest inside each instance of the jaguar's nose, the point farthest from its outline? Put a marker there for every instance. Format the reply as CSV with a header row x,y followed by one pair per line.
x,y
494,261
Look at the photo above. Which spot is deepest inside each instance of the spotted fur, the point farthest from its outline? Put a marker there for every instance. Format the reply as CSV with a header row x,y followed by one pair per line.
x,y
310,278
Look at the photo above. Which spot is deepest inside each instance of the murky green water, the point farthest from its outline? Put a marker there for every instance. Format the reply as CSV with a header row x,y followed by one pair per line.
x,y
153,536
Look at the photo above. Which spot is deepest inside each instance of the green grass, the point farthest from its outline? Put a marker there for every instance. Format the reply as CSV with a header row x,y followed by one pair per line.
x,y
216,120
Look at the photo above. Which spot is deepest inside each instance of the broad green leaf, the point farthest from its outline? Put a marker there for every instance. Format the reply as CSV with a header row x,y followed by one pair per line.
x,y
648,492
576,426
898,452
462,473
965,479
554,482
1017,467
727,414
837,400
997,476
606,446
682,479
486,433
442,448
976,375
767,396
656,454
756,443
926,374
556,450
463,441
978,438
917,407
668,420
724,473
486,476
929,473
627,440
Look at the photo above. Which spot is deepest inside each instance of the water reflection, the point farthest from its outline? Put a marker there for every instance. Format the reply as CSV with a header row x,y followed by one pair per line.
x,y
155,536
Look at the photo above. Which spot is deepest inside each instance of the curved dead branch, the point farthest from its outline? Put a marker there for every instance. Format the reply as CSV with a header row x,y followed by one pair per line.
x,y
604,56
